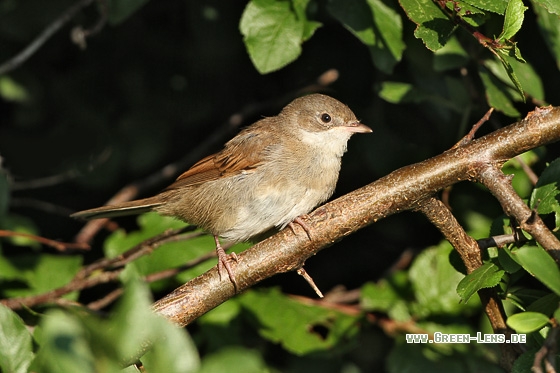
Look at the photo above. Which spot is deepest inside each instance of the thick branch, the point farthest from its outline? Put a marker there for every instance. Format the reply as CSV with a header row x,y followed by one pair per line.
x,y
500,186
440,216
398,191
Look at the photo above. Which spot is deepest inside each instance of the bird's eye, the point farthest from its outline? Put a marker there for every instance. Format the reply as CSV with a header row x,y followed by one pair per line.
x,y
326,118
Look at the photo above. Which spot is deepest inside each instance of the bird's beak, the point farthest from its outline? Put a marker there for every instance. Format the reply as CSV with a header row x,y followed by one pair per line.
x,y
357,127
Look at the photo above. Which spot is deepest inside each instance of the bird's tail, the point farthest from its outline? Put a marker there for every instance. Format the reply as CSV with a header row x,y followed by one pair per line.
x,y
121,209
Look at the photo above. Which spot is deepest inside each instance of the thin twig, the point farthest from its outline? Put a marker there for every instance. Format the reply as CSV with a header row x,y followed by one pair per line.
x,y
547,353
303,273
498,241
51,29
500,186
162,275
60,246
104,270
470,136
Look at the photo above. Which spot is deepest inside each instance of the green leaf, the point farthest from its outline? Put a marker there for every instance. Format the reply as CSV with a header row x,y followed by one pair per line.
x,y
385,48
273,33
527,77
300,7
556,314
120,10
548,25
381,296
468,13
497,94
506,261
10,90
40,273
496,6
4,195
450,56
174,351
527,322
15,343
545,195
20,224
486,276
169,255
433,25
503,55
298,327
64,346
513,19
234,359
536,261
436,293
388,24
551,6
546,304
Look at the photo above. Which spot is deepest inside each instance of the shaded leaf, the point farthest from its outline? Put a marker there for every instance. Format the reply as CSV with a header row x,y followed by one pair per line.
x,y
39,273
545,195
548,26
234,359
120,11
64,346
432,25
536,261
389,26
451,56
357,17
436,294
551,6
298,327
496,94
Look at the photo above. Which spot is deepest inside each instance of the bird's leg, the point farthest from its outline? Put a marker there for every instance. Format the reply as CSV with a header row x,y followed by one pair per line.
x,y
223,262
303,224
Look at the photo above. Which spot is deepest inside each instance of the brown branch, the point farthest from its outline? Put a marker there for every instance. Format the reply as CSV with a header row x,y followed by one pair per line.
x,y
440,216
500,186
498,241
60,246
547,353
108,269
401,190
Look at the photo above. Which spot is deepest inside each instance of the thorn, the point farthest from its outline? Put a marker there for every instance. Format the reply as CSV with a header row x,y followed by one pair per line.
x,y
310,281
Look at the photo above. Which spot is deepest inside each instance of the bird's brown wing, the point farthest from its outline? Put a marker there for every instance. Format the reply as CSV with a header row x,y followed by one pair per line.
x,y
241,154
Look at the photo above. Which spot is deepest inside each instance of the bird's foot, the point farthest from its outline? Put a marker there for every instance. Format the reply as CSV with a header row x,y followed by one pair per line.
x,y
303,224
224,262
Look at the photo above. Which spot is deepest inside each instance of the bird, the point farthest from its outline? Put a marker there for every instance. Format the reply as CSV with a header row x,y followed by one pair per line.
x,y
265,178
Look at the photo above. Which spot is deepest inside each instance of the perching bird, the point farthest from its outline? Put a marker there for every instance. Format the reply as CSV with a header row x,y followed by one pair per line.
x,y
267,176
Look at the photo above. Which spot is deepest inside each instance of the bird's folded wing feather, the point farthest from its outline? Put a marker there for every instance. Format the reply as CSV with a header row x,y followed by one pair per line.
x,y
243,153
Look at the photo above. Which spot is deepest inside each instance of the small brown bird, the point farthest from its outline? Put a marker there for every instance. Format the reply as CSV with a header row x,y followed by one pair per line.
x,y
266,177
